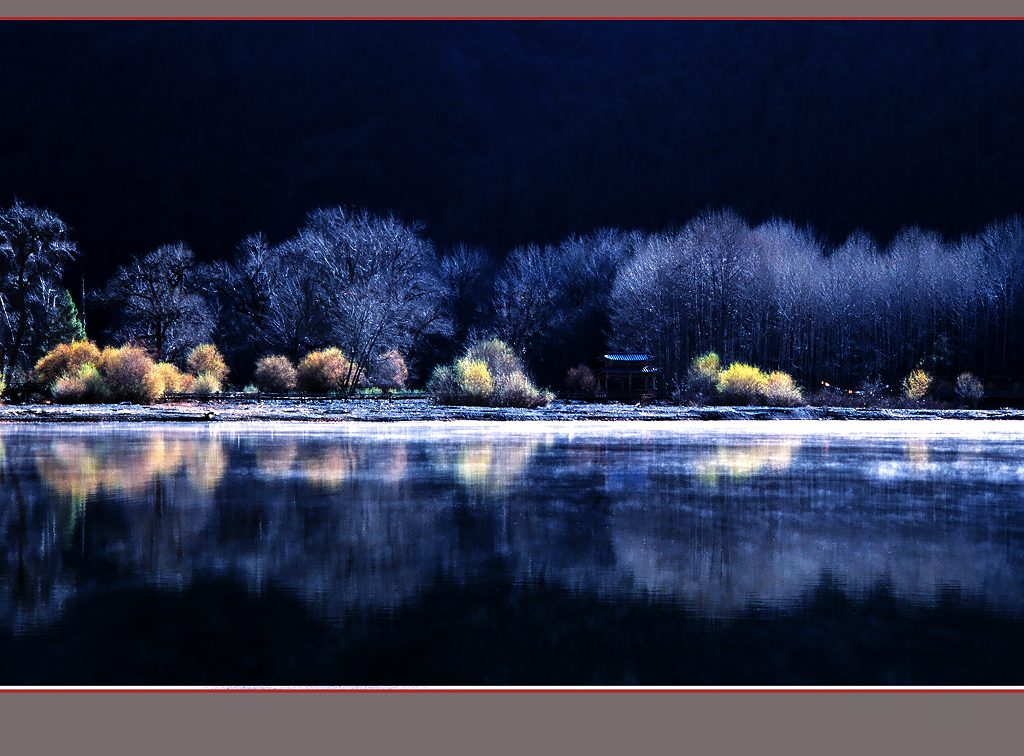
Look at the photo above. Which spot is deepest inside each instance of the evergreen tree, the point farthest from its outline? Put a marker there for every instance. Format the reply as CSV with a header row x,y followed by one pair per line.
x,y
66,324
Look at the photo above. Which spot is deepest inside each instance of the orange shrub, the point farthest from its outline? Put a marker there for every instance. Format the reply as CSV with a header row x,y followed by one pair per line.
x,y
130,375
275,373
325,371
66,359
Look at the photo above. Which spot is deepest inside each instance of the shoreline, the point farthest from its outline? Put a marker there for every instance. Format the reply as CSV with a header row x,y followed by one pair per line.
x,y
406,410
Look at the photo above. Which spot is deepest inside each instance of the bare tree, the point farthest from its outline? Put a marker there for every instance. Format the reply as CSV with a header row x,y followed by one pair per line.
x,y
466,277
34,248
365,283
248,289
160,296
525,296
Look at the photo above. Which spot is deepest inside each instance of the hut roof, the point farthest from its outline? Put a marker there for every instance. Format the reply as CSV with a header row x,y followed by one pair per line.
x,y
628,357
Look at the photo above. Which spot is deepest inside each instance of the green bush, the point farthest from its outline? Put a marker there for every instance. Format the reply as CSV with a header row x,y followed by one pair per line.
x,y
969,389
275,373
516,390
501,359
916,385
443,386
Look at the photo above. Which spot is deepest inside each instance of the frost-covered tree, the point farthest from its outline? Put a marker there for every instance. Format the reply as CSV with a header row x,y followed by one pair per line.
x,y
687,292
551,303
34,249
365,283
161,300
466,277
246,287
1002,249
377,281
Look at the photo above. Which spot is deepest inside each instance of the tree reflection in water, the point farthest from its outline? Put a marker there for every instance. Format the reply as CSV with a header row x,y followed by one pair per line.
x,y
367,518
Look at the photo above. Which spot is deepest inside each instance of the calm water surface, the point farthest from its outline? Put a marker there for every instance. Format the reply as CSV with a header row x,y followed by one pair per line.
x,y
794,552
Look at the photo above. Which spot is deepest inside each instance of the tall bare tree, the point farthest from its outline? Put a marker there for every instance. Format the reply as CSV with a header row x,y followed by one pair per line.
x,y
34,248
161,299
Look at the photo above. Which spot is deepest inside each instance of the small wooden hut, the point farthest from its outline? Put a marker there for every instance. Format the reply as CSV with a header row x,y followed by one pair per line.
x,y
627,377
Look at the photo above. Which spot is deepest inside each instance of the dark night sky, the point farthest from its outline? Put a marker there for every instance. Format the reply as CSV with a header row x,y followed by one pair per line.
x,y
501,133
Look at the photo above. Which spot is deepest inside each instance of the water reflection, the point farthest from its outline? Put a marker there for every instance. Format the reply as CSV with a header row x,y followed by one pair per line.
x,y
370,516
729,460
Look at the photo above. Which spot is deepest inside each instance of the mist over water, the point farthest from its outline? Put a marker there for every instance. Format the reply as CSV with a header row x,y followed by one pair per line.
x,y
404,536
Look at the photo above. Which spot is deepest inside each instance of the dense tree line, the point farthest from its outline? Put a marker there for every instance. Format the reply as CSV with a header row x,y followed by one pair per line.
x,y
773,294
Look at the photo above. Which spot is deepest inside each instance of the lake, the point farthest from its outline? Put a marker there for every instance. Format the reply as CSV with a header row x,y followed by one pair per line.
x,y
508,553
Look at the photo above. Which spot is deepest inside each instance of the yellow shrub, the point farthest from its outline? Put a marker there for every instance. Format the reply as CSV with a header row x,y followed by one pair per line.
x,y
206,384
742,383
474,378
66,359
500,358
443,386
489,373
780,390
706,366
206,358
172,380
916,385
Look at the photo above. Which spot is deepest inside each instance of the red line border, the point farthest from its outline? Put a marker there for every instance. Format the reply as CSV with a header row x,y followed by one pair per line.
x,y
511,18
511,690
